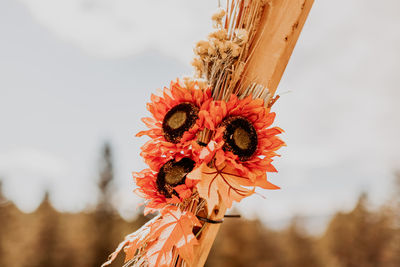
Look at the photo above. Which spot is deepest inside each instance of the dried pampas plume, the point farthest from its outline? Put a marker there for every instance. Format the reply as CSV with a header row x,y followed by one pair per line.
x,y
222,57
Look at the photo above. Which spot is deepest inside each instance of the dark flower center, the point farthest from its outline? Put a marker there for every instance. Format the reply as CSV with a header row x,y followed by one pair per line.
x,y
178,120
240,137
173,173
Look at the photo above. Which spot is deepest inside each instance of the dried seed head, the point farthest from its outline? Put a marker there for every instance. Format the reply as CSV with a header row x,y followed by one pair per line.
x,y
217,17
201,48
220,34
234,49
212,51
196,83
220,46
199,66
241,36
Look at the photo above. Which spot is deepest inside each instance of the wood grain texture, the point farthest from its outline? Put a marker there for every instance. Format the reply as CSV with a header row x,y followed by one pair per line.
x,y
280,27
207,238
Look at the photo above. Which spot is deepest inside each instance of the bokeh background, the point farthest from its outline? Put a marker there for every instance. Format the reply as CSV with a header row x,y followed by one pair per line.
x,y
74,79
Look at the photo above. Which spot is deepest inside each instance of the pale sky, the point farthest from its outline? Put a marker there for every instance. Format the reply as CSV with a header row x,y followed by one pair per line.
x,y
75,73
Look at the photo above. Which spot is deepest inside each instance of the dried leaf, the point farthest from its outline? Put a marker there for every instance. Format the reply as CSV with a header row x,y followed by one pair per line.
x,y
174,230
220,182
133,241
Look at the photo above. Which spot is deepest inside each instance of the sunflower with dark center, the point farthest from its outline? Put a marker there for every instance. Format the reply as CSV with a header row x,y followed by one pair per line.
x,y
166,186
240,137
178,120
175,122
173,173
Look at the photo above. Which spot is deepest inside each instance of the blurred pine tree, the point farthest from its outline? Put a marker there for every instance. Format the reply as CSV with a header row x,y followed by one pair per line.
x,y
358,238
105,213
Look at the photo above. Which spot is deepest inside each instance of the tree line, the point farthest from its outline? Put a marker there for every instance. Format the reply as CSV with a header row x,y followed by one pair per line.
x,y
47,237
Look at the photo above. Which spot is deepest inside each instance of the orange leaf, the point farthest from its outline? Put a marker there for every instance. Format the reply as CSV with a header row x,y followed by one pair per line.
x,y
174,230
220,182
262,182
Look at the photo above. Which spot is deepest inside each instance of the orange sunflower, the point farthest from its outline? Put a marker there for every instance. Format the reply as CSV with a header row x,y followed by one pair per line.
x,y
167,186
243,137
175,122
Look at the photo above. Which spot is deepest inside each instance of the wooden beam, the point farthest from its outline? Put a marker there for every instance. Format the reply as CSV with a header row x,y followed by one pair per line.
x,y
207,237
280,27
281,24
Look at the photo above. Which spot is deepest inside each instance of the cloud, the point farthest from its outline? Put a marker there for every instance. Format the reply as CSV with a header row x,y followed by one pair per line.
x,y
118,28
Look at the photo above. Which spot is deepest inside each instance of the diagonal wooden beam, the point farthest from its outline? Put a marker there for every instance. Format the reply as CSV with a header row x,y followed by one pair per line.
x,y
281,24
280,27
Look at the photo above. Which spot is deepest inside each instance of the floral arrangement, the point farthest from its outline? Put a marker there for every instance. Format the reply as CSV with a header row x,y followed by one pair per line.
x,y
211,143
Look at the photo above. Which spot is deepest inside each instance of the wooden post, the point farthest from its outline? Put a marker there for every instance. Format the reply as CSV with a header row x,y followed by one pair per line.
x,y
207,237
281,24
280,27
